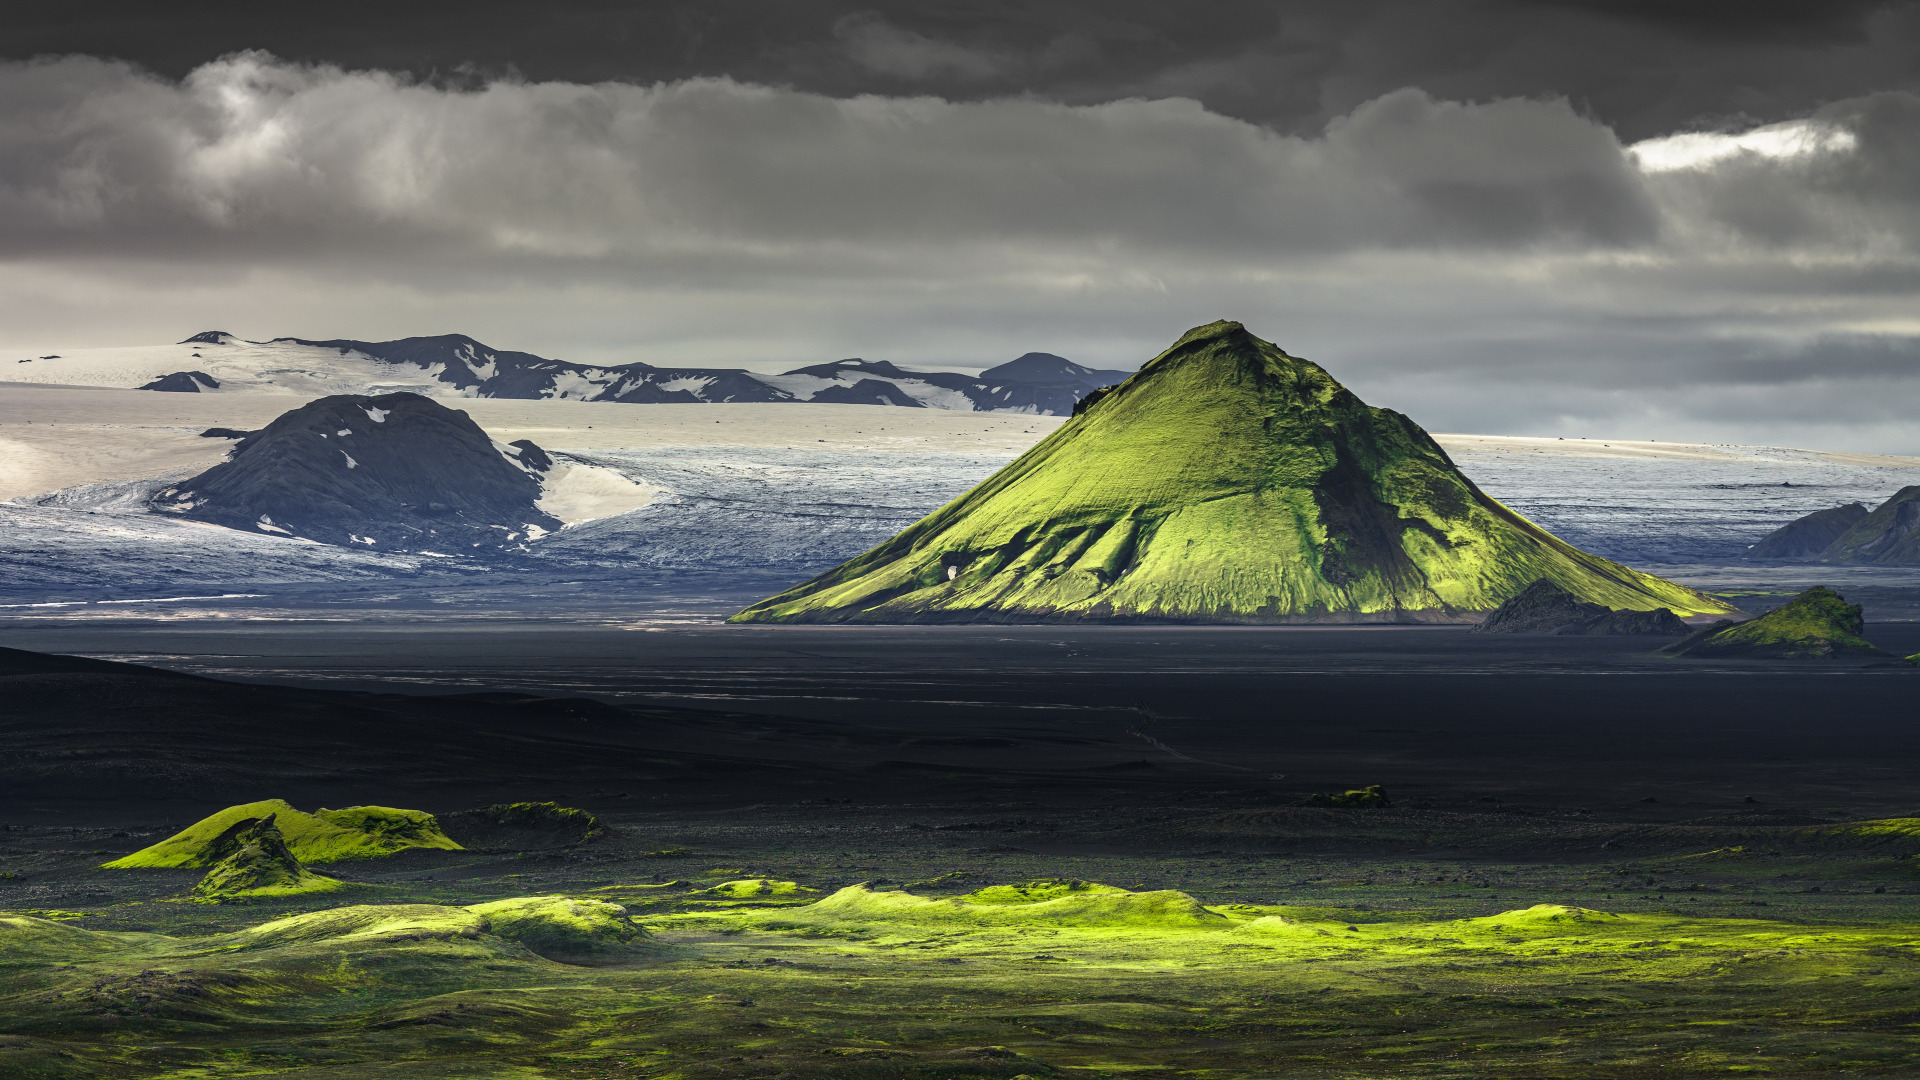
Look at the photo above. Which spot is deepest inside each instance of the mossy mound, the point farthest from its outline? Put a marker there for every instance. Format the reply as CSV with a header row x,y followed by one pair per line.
x,y
563,928
1545,919
1817,624
30,938
1225,482
324,836
756,889
1371,797
257,863
1089,905
524,825
363,924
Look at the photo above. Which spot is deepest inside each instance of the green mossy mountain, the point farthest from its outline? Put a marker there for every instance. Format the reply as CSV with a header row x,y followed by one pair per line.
x,y
1225,482
1817,624
324,836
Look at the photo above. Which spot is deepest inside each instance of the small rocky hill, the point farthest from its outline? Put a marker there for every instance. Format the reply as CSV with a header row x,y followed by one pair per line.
x,y
184,382
1817,624
1046,368
390,472
1546,608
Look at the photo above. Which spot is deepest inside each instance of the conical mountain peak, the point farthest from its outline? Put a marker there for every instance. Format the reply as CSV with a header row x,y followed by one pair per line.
x,y
1225,481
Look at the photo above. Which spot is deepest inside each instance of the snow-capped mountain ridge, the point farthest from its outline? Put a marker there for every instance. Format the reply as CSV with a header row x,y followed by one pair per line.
x,y
455,365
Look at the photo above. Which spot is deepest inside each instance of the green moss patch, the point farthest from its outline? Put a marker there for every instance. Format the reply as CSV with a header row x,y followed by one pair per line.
x,y
1370,797
562,927
755,889
994,985
1086,905
324,836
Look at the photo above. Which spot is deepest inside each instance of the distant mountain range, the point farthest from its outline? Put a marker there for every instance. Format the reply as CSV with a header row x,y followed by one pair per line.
x,y
1036,383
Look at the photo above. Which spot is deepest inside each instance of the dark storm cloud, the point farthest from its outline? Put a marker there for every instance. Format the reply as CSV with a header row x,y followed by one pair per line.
x,y
1643,67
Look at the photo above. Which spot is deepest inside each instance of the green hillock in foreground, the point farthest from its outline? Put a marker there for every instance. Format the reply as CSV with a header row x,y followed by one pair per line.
x,y
324,836
1047,978
1226,481
1817,624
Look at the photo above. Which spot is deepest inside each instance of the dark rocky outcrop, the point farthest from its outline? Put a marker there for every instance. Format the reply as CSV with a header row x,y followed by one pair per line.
x,y
397,471
224,433
211,337
1046,368
867,392
1371,797
1546,608
184,382
524,826
1817,624
1889,536
1804,539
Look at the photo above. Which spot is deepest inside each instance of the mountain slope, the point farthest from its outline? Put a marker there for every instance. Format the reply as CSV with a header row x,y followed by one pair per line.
x,y
1805,538
398,471
1225,482
1889,536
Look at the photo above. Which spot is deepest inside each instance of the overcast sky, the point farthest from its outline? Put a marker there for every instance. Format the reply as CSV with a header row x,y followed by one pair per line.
x,y
1638,220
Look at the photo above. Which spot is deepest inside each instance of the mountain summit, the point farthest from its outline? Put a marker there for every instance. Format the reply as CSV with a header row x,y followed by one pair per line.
x,y
1226,481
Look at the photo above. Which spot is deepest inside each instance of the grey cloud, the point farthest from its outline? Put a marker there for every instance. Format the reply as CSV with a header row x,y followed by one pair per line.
x,y
879,46
1643,68
1496,264
255,155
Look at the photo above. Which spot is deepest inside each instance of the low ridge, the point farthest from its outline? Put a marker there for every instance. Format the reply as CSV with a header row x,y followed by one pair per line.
x,y
1546,608
1226,481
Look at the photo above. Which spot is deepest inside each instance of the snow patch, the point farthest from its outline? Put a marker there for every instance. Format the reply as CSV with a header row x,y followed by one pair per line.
x,y
577,493
265,524
378,416
351,464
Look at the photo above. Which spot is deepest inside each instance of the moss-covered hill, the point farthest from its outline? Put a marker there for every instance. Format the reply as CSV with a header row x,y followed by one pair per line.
x,y
324,836
1817,624
1226,481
